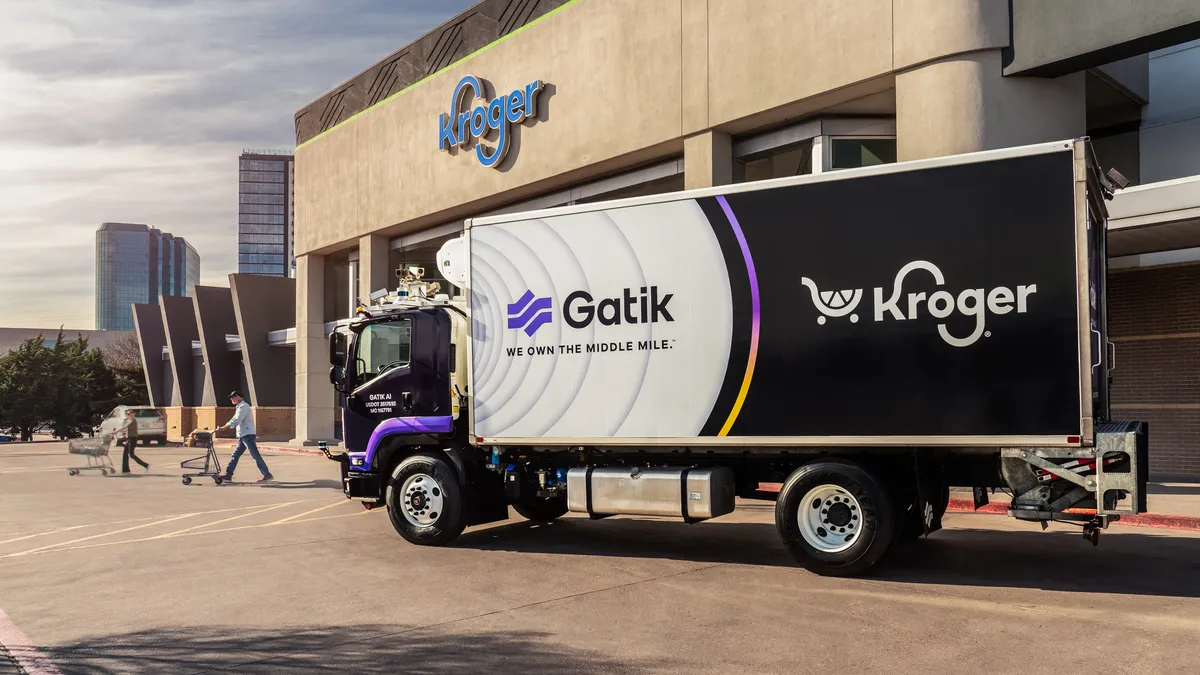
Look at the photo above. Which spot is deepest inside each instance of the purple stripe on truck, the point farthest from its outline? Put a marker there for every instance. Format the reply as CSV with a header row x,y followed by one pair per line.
x,y
437,424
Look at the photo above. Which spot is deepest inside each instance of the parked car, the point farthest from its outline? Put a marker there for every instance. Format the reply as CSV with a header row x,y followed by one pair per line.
x,y
7,439
152,426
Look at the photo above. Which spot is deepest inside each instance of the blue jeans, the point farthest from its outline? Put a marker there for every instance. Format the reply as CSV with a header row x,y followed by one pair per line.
x,y
246,443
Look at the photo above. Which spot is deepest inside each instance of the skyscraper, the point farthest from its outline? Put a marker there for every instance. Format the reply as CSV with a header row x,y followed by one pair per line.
x,y
266,234
136,263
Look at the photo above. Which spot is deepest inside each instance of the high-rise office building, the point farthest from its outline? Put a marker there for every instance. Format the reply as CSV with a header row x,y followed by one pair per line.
x,y
266,235
137,263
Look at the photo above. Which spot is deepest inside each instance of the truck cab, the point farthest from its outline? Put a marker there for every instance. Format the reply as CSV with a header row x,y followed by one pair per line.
x,y
397,372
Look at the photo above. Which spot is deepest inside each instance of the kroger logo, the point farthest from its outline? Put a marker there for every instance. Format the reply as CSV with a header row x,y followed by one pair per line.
x,y
463,123
973,302
529,313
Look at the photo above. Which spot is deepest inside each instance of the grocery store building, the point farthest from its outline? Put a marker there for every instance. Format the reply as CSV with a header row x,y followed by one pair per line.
x,y
585,100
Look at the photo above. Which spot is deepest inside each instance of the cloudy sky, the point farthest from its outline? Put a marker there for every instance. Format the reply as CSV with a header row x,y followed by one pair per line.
x,y
136,111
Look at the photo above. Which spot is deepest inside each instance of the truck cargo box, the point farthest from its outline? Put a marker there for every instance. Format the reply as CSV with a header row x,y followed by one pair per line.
x,y
941,302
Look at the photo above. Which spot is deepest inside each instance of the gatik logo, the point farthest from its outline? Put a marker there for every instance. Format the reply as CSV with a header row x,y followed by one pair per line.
x,y
976,302
462,125
529,313
580,309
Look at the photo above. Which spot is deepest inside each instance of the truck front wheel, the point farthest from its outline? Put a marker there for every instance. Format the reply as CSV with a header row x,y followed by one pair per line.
x,y
835,518
425,501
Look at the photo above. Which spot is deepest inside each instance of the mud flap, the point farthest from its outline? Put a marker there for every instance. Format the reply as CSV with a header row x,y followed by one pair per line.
x,y
930,490
486,500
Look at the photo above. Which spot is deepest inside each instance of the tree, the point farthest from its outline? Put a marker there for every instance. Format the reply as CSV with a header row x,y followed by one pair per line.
x,y
123,357
69,388
27,387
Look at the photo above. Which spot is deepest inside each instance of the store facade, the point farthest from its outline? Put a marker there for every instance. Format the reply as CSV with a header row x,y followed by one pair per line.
x,y
515,105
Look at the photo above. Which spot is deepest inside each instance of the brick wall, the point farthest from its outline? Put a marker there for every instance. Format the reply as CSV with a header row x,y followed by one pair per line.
x,y
214,417
275,424
180,422
1154,321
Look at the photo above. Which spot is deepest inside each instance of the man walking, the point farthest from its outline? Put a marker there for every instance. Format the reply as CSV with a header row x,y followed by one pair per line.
x,y
243,421
131,439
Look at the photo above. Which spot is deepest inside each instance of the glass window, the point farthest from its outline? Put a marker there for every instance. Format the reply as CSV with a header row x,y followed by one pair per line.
x,y
262,189
254,219
244,228
262,165
382,347
262,176
261,199
273,209
261,239
850,153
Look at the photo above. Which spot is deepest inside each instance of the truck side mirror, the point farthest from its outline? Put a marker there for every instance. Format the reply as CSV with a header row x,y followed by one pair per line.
x,y
336,377
337,349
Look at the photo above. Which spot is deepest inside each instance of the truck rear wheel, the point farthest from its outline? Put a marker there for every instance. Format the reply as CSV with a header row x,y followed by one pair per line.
x,y
536,508
835,518
425,501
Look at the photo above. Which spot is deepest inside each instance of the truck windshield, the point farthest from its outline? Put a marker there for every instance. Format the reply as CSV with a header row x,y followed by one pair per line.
x,y
382,347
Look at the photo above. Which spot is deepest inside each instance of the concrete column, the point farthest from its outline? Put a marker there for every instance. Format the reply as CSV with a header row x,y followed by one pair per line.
x,y
964,104
373,272
315,412
707,160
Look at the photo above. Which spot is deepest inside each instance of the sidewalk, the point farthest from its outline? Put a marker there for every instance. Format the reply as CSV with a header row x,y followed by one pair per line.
x,y
283,447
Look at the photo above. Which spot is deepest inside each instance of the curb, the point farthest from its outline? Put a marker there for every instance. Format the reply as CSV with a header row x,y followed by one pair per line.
x,y
282,450
1160,521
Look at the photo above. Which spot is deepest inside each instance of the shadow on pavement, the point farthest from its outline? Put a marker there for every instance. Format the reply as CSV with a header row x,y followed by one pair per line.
x,y
737,543
1175,489
358,649
321,483
1127,561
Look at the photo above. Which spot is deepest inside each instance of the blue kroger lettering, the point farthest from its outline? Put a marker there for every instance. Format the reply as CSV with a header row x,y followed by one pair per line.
x,y
460,126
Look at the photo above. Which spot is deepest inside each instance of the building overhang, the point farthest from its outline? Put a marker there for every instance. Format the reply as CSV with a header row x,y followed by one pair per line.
x,y
1154,218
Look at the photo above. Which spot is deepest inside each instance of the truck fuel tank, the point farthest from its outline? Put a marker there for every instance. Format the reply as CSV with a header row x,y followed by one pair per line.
x,y
693,494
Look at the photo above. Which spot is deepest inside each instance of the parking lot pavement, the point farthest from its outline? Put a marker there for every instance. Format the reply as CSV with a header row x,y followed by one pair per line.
x,y
142,574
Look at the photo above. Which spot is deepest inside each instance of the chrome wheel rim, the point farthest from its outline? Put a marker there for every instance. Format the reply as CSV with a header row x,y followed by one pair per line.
x,y
830,518
421,500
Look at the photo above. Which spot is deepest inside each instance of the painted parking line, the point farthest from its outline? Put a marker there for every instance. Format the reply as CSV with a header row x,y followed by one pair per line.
x,y
41,469
30,660
29,535
301,515
203,532
95,536
224,520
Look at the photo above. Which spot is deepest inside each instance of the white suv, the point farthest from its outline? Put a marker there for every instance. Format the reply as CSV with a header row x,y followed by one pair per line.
x,y
152,426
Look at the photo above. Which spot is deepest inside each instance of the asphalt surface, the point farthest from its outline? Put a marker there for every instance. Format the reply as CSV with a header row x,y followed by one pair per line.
x,y
141,574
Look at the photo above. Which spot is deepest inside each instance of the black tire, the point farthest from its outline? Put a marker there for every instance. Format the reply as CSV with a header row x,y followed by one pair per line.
x,y
536,508
187,480
878,514
449,522
161,440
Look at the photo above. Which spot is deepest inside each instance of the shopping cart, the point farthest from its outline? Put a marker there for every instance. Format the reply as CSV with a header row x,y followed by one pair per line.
x,y
96,451
207,464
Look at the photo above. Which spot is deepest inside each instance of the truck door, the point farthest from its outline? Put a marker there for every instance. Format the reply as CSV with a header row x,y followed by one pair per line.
x,y
398,367
1102,349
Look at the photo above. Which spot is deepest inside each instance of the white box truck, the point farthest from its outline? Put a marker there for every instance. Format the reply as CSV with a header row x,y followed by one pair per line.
x,y
866,337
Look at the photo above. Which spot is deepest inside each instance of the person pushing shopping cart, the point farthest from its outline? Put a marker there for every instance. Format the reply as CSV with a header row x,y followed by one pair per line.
x,y
243,421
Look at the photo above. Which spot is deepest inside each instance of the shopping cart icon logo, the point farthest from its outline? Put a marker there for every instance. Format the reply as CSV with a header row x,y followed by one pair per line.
x,y
833,303
530,313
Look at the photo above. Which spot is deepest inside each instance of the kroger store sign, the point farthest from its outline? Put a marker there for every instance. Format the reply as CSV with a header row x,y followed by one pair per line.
x,y
464,124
